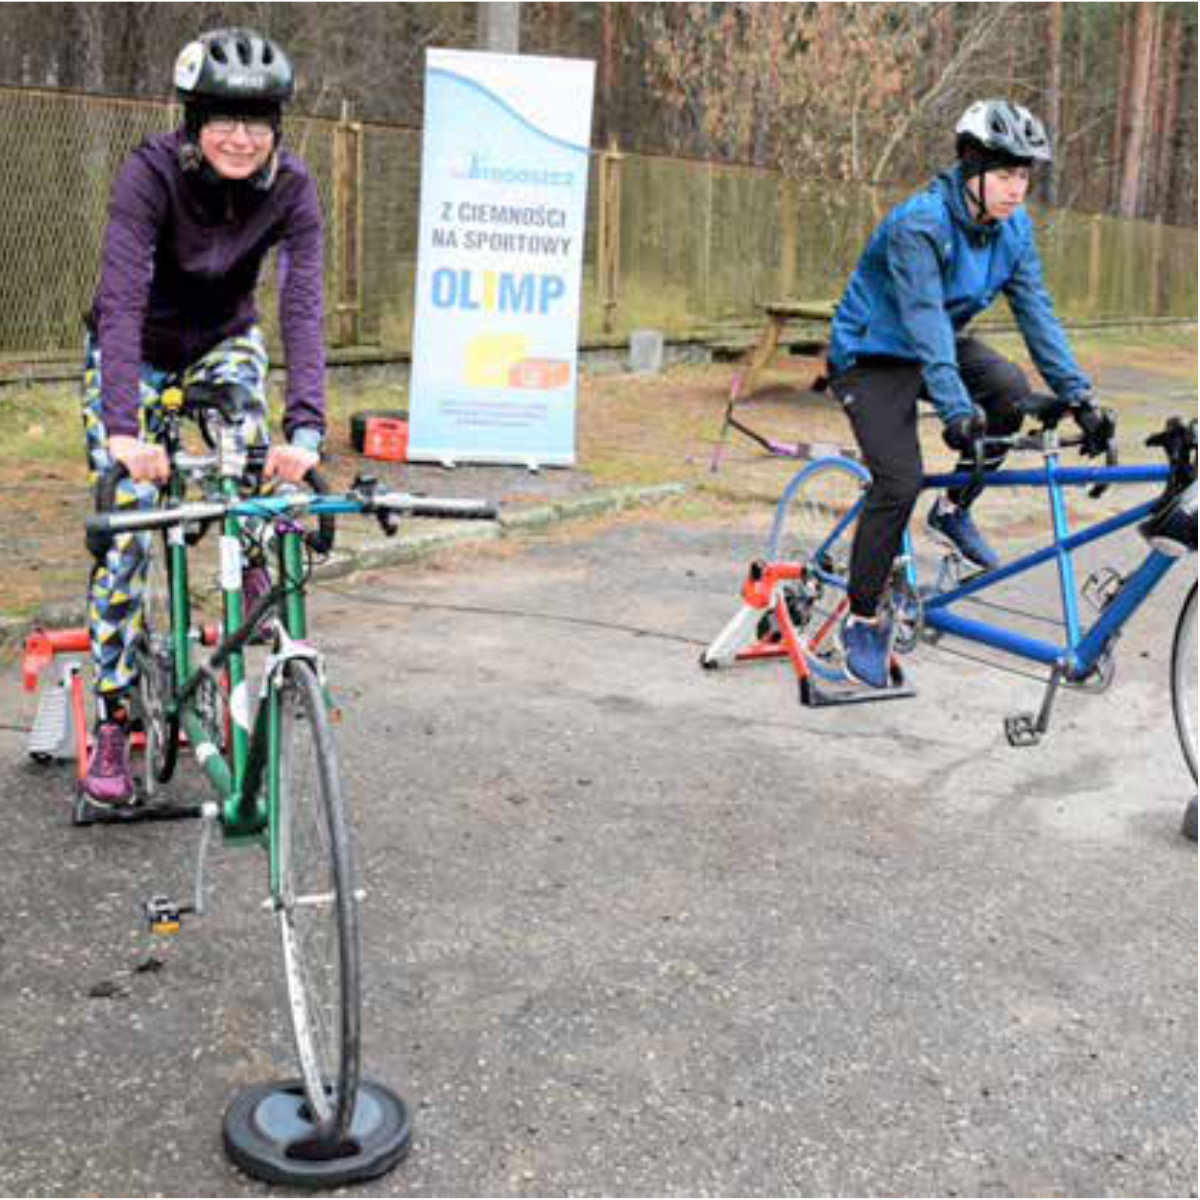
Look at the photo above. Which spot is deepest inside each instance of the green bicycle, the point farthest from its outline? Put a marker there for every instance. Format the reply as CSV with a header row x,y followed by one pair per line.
x,y
274,771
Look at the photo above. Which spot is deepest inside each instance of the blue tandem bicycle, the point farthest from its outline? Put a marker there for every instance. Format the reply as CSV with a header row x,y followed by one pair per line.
x,y
794,599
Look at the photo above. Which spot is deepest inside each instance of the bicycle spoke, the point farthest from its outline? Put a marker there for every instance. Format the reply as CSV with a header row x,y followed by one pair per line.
x,y
814,527
318,929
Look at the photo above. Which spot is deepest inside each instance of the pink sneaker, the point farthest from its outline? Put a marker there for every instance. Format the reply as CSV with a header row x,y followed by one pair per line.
x,y
109,780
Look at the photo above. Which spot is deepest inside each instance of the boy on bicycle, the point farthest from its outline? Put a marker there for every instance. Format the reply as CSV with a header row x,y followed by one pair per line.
x,y
192,217
936,262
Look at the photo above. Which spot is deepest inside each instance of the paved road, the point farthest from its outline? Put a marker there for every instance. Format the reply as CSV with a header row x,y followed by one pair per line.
x,y
638,929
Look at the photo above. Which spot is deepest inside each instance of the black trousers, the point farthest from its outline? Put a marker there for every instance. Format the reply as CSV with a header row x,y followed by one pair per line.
x,y
880,397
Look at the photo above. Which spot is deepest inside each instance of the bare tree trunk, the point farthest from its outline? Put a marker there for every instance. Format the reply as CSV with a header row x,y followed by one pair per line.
x,y
500,27
1139,87
1054,96
943,40
1169,132
1174,157
1147,198
87,32
1124,70
609,16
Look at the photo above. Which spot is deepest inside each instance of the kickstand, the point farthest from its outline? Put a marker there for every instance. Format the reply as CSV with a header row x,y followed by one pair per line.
x,y
1024,729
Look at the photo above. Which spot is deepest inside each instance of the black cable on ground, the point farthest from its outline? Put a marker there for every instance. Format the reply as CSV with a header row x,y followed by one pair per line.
x,y
392,602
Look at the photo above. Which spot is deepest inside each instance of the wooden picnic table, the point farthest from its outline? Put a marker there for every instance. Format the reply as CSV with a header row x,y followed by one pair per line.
x,y
779,314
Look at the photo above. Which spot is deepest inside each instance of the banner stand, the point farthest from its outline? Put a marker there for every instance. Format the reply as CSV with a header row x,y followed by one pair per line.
x,y
504,182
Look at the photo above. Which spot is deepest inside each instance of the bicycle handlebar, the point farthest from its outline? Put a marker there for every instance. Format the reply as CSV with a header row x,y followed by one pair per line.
x,y
317,504
1049,410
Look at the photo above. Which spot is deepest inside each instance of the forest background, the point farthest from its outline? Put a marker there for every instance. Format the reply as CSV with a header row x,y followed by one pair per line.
x,y
847,93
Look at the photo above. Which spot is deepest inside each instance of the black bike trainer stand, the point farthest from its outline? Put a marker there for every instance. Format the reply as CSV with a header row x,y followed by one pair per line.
x,y
268,1135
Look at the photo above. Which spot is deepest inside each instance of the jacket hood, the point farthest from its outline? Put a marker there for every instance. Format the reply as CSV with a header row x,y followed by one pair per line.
x,y
952,186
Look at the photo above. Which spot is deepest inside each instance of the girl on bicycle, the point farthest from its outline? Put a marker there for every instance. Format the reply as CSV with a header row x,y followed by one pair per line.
x,y
936,262
192,217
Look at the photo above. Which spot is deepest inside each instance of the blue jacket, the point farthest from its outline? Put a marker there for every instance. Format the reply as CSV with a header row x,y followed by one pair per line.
x,y
928,270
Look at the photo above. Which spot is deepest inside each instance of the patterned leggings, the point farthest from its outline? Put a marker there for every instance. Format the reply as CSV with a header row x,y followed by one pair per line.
x,y
118,580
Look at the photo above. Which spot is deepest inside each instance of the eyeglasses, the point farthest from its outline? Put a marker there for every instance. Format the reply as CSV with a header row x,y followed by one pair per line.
x,y
257,131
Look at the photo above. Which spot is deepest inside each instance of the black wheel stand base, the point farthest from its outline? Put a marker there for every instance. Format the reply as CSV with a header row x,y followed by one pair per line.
x,y
84,812
268,1135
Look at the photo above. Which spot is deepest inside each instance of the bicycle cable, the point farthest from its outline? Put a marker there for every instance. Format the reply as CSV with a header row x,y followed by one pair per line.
x,y
385,602
985,662
1013,612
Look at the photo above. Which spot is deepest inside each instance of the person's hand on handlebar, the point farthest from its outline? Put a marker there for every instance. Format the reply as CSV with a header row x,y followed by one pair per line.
x,y
290,463
961,433
145,462
1098,425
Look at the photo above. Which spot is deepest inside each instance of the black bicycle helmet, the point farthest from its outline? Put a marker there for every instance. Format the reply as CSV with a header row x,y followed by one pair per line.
x,y
234,70
997,133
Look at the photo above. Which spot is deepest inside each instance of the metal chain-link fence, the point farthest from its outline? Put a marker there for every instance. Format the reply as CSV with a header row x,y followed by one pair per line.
x,y
672,244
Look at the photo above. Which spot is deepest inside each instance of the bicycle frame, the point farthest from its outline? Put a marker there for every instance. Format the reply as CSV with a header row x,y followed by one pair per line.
x,y
247,764
252,755
1084,646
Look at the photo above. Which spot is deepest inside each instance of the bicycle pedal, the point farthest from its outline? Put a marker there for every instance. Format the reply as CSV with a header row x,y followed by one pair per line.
x,y
1101,587
165,916
1021,730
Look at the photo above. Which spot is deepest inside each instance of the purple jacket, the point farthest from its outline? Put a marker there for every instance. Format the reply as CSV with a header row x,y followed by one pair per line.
x,y
181,261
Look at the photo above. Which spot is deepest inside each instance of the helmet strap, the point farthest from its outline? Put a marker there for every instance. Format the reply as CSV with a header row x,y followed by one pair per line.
x,y
978,204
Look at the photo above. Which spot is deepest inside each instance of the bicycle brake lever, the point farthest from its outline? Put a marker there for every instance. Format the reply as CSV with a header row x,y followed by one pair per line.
x,y
978,458
366,487
1110,460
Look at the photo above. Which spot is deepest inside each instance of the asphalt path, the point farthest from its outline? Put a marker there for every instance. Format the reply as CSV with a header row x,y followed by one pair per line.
x,y
633,928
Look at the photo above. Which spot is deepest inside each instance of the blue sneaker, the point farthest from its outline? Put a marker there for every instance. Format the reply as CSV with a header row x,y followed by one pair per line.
x,y
957,527
868,649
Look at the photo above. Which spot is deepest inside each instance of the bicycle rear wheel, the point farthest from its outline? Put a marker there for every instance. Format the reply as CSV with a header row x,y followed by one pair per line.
x,y
318,921
814,526
156,671
1183,679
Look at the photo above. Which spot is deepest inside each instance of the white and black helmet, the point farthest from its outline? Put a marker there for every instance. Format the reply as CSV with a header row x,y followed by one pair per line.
x,y
998,130
234,67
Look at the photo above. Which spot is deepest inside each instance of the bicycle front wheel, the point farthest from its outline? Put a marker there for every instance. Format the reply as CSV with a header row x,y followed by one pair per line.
x,y
1183,679
814,527
316,905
